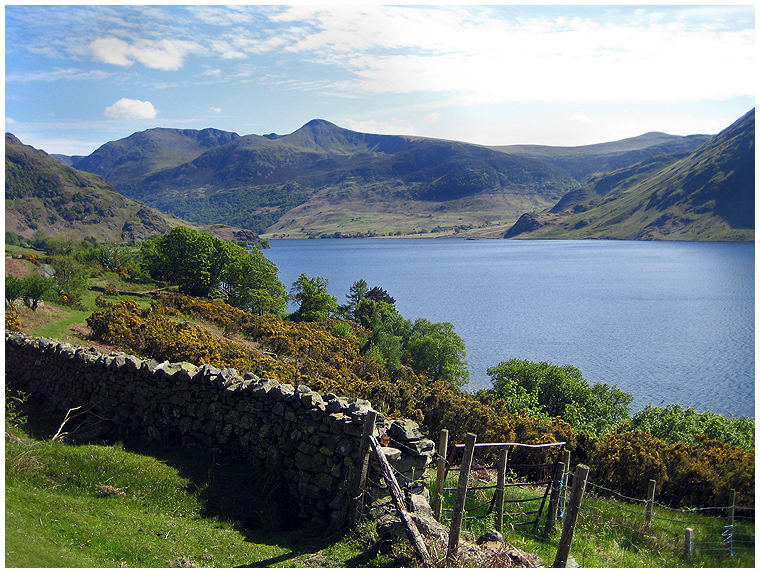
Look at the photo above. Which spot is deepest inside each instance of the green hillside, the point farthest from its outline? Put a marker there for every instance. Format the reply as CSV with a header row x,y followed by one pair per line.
x,y
587,161
707,195
42,195
122,162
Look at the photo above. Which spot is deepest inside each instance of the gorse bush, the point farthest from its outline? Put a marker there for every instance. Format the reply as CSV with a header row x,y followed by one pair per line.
x,y
325,356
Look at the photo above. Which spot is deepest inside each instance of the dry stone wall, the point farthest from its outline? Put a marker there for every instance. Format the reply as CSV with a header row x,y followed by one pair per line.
x,y
308,440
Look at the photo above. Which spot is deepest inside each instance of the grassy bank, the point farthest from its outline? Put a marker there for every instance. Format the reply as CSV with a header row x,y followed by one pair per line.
x,y
613,533
135,505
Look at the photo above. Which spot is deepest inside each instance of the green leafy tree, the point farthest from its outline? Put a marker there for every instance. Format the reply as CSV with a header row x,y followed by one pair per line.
x,y
71,278
14,290
561,391
435,349
389,329
190,259
251,282
34,288
674,423
315,302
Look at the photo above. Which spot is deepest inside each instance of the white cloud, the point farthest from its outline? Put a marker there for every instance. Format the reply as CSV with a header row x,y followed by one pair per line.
x,y
69,74
164,54
214,109
127,108
481,56
432,117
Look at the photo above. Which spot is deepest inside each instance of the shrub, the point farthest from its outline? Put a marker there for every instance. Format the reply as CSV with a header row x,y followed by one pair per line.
x,y
320,355
626,461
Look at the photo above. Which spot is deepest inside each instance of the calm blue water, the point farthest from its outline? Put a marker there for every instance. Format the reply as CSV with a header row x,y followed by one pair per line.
x,y
669,322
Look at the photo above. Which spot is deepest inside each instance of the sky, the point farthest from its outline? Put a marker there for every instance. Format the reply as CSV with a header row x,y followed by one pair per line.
x,y
78,76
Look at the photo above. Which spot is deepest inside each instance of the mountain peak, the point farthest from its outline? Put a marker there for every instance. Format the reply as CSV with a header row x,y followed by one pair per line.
x,y
319,123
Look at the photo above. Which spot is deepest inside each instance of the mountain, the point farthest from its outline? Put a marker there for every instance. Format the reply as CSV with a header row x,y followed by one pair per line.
x,y
708,194
122,162
326,179
42,194
587,161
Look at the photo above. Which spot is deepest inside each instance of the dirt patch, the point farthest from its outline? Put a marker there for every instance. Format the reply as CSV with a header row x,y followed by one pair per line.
x,y
32,319
84,333
17,267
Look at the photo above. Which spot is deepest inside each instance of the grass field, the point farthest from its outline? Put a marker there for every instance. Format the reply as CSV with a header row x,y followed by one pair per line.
x,y
612,533
135,505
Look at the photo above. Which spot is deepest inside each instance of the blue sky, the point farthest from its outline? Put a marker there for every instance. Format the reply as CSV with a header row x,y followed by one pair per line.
x,y
78,76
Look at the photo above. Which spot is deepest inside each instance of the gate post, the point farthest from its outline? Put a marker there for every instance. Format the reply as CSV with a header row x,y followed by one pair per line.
x,y
458,516
443,445
501,477
568,528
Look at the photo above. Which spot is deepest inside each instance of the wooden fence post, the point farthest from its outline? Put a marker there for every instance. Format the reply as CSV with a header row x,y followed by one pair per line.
x,y
650,499
501,478
688,543
443,445
563,490
551,515
356,507
731,508
458,516
568,528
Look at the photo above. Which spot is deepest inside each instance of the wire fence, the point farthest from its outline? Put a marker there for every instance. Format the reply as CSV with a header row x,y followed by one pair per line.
x,y
637,525
641,526
646,525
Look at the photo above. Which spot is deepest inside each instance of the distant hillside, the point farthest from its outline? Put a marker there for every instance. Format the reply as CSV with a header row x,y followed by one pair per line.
x,y
42,194
708,194
124,161
586,161
325,179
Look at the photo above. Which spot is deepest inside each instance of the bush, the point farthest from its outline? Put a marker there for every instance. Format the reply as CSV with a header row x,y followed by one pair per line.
x,y
320,355
674,423
557,391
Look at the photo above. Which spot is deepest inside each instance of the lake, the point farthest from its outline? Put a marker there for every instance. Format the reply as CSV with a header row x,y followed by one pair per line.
x,y
669,322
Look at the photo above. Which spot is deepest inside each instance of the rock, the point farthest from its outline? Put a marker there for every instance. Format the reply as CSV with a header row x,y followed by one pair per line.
x,y
492,535
405,430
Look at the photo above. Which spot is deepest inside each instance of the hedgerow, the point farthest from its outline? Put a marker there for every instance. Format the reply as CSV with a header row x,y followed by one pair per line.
x,y
329,359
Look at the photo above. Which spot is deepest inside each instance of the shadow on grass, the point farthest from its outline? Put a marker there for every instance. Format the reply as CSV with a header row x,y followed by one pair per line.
x,y
255,502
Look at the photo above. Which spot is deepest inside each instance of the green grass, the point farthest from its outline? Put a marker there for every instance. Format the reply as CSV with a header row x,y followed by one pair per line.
x,y
611,533
178,508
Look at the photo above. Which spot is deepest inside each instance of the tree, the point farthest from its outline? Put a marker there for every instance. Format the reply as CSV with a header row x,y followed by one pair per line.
x,y
353,298
71,278
251,282
389,331
674,423
560,391
315,302
435,349
35,287
14,290
379,295
200,264
190,259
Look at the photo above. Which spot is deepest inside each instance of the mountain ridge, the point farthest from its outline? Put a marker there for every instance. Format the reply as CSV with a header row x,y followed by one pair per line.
x,y
44,195
707,194
325,180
